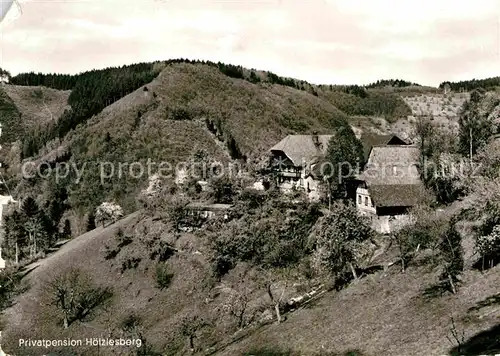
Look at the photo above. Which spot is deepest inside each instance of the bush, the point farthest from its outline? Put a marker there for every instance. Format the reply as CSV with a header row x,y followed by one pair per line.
x,y
130,263
162,250
179,114
272,236
451,256
222,190
425,232
163,276
122,239
337,238
488,247
10,286
108,212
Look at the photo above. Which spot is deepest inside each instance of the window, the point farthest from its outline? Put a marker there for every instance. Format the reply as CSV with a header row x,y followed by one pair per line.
x,y
359,199
366,201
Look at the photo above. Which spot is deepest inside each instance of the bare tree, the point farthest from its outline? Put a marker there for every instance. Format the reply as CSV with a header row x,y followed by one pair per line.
x,y
74,295
237,303
275,291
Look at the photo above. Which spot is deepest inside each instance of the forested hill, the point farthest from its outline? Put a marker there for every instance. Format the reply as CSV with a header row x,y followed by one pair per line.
x,y
92,91
469,85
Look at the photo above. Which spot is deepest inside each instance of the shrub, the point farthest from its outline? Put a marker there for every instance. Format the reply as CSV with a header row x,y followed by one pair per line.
x,y
337,238
163,276
272,236
122,239
162,250
10,286
130,263
425,232
488,247
222,189
451,256
179,114
107,212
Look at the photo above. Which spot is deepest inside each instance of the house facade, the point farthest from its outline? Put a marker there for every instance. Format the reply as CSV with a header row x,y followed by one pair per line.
x,y
294,159
389,186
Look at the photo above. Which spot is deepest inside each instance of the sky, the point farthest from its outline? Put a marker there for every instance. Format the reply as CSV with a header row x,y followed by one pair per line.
x,y
321,41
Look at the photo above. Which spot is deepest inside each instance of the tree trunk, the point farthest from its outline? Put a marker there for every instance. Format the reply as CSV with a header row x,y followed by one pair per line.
x,y
66,323
191,342
402,265
17,253
277,310
31,244
353,271
452,285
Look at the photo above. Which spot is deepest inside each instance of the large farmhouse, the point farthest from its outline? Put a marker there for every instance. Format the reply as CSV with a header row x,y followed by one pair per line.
x,y
389,186
294,159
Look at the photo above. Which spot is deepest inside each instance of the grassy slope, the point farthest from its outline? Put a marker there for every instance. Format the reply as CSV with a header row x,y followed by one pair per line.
x,y
134,292
382,314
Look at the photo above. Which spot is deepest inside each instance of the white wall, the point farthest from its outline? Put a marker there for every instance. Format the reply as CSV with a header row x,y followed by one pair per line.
x,y
389,224
364,202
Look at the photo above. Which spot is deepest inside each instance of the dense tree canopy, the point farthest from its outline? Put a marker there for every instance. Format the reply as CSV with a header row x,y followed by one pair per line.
x,y
476,127
344,158
468,85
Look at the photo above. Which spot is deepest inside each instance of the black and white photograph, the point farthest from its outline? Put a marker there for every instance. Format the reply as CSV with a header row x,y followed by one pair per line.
x,y
249,178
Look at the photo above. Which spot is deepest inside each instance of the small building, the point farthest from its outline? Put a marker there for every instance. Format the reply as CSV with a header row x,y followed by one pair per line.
x,y
389,186
294,159
209,211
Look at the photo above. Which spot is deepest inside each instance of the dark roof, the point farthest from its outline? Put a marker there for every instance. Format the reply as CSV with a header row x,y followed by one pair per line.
x,y
370,140
392,165
301,149
397,195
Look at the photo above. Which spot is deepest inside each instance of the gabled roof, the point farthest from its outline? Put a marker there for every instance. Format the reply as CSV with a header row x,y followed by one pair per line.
x,y
392,165
397,195
370,140
301,149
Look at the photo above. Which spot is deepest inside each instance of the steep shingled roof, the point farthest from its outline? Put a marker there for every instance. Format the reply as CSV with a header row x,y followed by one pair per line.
x,y
400,195
301,149
392,176
370,140
392,165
